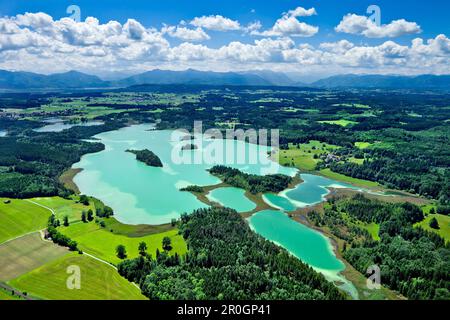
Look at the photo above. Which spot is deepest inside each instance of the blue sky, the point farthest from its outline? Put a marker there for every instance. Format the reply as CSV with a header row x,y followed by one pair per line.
x,y
421,19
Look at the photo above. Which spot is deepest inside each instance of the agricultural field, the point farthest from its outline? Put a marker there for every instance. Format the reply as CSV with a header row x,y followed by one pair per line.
x,y
102,243
19,217
98,281
27,253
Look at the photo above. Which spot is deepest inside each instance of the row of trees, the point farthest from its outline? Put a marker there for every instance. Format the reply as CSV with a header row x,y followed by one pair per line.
x,y
121,250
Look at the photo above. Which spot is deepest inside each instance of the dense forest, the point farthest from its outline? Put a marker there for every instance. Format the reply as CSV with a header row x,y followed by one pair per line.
x,y
31,162
226,261
250,182
413,261
148,157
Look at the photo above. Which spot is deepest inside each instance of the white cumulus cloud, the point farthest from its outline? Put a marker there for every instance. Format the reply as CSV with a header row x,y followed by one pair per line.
x,y
216,23
185,34
289,25
362,25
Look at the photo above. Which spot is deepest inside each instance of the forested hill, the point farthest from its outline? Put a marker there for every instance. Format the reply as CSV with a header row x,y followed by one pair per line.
x,y
226,260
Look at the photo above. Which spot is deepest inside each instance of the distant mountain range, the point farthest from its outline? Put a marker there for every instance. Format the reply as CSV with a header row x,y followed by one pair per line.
x,y
68,80
76,80
385,82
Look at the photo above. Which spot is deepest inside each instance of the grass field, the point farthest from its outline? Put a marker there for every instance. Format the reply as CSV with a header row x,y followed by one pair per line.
x,y
7,295
355,160
21,217
373,229
25,254
102,243
341,122
303,157
63,207
362,145
444,224
340,177
98,281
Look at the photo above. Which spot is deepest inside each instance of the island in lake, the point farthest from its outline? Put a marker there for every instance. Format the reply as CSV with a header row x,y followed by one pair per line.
x,y
148,157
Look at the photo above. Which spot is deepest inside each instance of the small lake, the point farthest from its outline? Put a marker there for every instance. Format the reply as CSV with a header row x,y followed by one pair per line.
x,y
305,243
233,198
3,133
313,190
58,126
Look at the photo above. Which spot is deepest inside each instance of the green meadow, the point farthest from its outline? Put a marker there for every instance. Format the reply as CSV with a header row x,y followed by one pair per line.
x,y
362,145
444,225
98,281
102,243
341,122
303,157
64,207
20,217
7,295
340,177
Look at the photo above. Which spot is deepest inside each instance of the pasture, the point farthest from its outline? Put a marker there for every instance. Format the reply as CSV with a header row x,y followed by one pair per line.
x,y
102,243
20,217
302,157
98,281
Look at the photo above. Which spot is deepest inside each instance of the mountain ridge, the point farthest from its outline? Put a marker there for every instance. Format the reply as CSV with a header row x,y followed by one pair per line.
x,y
21,80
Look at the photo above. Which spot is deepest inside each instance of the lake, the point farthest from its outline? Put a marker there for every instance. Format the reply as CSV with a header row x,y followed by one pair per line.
x,y
3,133
59,126
233,198
305,243
140,194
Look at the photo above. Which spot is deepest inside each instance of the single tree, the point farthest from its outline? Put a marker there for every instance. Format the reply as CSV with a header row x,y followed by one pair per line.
x,y
84,200
90,215
121,251
73,245
432,211
66,221
84,216
167,244
434,224
142,248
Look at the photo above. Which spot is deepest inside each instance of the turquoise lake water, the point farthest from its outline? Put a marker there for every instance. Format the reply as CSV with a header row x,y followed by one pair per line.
x,y
313,190
279,202
56,126
140,194
305,243
233,198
